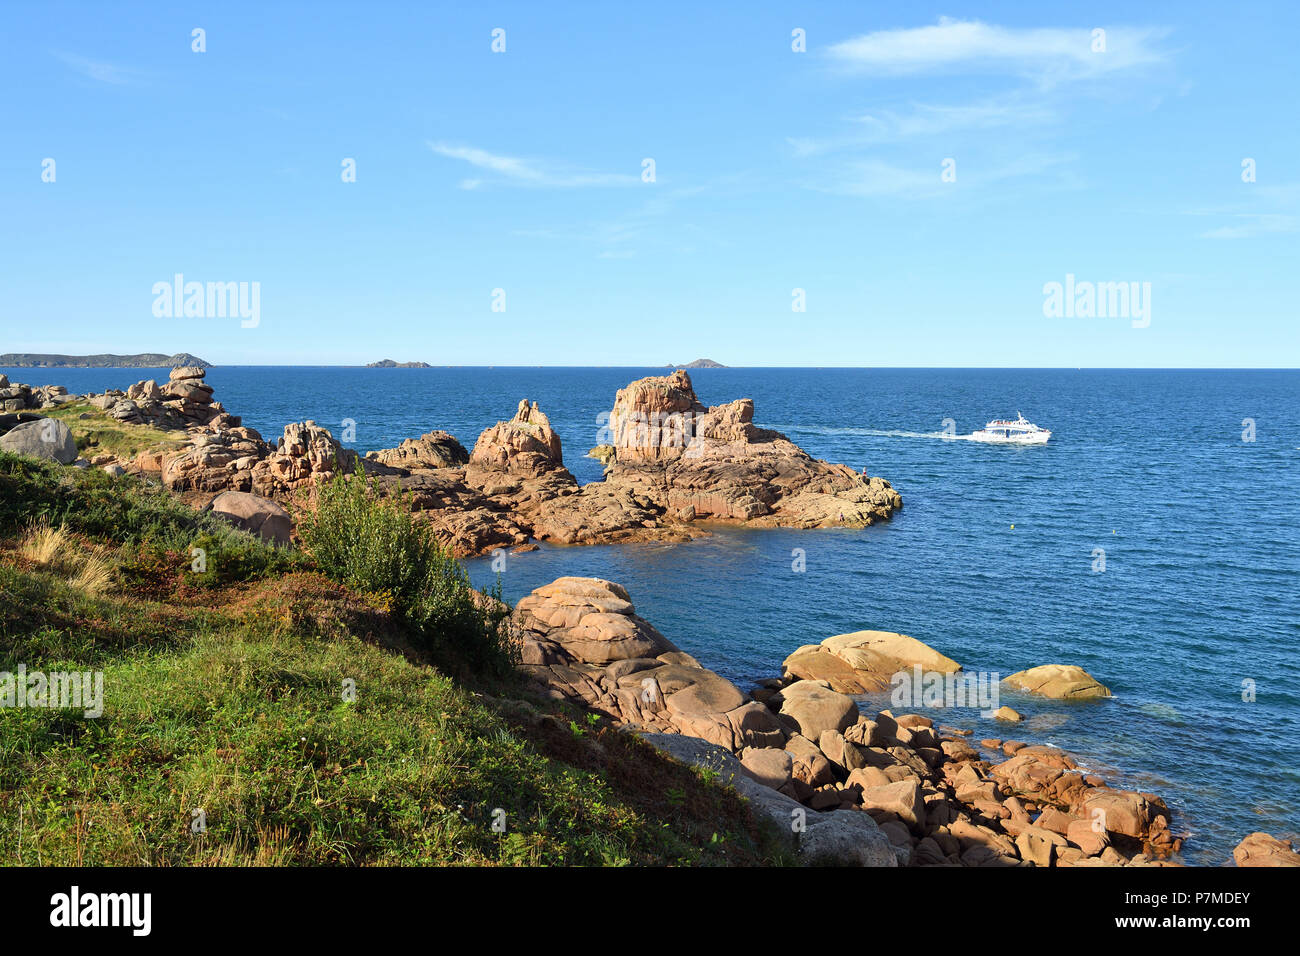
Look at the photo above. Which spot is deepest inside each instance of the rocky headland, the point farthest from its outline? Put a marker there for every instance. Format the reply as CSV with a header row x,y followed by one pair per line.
x,y
673,466
141,360
891,789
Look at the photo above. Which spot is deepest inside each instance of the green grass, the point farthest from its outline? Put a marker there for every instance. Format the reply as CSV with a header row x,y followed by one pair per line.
x,y
101,434
229,697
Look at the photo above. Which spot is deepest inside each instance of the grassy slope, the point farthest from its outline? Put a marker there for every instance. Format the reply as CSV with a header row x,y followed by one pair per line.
x,y
97,433
225,692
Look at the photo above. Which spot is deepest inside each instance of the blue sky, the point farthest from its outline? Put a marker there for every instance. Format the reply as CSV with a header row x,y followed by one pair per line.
x,y
775,170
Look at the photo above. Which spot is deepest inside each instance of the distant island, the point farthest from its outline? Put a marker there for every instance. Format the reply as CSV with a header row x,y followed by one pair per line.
x,y
699,363
143,360
389,363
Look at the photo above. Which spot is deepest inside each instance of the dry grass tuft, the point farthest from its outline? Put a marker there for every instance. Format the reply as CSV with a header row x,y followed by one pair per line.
x,y
56,550
96,573
44,545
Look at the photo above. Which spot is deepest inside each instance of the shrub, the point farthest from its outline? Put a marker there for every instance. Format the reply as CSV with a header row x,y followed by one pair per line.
x,y
375,545
129,512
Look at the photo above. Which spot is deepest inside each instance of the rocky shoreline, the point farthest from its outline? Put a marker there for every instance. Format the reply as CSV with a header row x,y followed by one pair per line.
x,y
893,789
673,466
890,790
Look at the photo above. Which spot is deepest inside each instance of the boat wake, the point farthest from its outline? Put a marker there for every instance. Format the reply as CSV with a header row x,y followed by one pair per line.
x,y
873,432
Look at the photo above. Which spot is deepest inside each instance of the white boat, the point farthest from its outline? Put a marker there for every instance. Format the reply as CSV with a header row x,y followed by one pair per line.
x,y
1018,432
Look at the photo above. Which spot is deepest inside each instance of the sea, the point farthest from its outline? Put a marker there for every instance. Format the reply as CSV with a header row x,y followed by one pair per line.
x,y
1154,541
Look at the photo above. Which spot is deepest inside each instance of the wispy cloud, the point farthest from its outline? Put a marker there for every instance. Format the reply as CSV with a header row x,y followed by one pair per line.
x,y
524,172
1045,68
1281,200
972,46
100,71
922,120
874,178
1251,225
654,222
934,120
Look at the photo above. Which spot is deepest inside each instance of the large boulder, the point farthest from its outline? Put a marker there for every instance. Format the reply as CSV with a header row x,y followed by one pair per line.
x,y
188,390
1261,849
1119,811
255,514
144,391
592,620
1058,681
864,661
901,799
769,766
9,420
816,708
47,438
847,838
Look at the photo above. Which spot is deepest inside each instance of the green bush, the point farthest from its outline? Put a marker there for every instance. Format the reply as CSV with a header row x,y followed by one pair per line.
x,y
375,545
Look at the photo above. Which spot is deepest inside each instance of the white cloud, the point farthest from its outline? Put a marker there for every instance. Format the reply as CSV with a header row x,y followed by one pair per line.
x,y
873,178
99,70
527,172
971,46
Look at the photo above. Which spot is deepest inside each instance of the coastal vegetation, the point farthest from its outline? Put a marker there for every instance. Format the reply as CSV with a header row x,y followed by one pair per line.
x,y
263,712
376,546
98,433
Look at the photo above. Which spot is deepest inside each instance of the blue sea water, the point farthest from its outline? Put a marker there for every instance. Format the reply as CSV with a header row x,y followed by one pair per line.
x,y
992,560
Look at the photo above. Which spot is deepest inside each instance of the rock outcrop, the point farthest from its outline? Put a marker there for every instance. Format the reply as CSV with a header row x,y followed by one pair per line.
x,y
183,402
672,466
436,449
800,750
715,463
525,445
